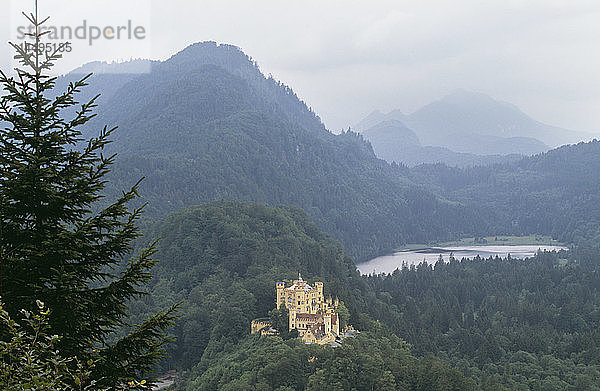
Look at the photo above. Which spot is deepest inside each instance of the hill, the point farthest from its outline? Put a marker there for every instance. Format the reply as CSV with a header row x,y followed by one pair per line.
x,y
555,193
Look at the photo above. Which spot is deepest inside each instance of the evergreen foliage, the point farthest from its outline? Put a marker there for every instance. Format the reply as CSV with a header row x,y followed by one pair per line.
x,y
52,246
280,321
510,323
371,361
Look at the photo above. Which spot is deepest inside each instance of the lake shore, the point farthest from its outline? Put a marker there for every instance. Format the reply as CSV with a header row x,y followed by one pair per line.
x,y
431,255
498,240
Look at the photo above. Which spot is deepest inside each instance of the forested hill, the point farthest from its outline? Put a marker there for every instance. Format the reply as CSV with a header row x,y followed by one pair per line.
x,y
507,324
207,125
223,259
556,193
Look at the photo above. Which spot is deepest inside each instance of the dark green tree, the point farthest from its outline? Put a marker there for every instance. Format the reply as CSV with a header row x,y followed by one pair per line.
x,y
53,245
280,321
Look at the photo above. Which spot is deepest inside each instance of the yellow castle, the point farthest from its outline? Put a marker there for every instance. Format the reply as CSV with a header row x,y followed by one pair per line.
x,y
314,317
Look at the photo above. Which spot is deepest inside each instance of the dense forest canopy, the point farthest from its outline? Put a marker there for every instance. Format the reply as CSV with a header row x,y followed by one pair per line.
x,y
555,193
505,323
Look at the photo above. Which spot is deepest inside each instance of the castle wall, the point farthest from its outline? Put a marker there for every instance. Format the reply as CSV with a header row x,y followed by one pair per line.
x,y
257,325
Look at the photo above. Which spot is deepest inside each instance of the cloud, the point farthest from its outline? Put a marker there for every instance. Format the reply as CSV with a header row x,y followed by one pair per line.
x,y
346,58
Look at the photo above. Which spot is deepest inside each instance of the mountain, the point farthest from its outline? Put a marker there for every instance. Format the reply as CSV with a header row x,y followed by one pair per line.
x,y
206,125
389,133
394,142
377,116
475,123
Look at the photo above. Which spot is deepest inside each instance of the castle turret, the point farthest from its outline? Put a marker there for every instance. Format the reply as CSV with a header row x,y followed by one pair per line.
x,y
319,286
280,285
327,321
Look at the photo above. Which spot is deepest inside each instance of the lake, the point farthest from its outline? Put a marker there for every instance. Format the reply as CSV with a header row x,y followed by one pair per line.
x,y
389,263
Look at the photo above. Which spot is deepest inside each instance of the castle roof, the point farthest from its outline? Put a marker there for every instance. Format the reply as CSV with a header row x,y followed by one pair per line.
x,y
300,285
305,316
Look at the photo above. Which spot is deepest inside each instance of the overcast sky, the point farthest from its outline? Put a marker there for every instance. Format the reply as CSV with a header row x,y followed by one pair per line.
x,y
348,58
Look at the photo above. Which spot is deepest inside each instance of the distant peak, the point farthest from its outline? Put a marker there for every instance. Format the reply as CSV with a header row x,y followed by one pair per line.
x,y
397,113
473,99
390,123
375,113
210,49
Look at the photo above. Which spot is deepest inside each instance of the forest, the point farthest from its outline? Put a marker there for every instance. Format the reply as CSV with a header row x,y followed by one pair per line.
x,y
504,323
246,187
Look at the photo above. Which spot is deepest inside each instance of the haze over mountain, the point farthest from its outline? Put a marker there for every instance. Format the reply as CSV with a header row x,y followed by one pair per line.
x,y
475,123
394,142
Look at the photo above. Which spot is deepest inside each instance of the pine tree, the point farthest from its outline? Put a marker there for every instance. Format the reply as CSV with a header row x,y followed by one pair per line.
x,y
53,247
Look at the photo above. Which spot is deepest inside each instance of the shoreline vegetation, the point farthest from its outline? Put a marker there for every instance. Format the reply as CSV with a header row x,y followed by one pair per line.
x,y
499,240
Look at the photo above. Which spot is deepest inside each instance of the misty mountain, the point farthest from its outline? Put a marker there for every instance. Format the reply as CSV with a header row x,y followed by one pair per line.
x,y
377,116
394,142
475,123
107,78
207,125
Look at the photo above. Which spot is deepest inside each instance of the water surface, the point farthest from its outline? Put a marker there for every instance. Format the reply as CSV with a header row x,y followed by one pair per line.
x,y
389,263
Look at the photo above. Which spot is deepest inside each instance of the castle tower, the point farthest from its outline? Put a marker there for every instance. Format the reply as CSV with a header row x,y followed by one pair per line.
x,y
327,319
280,286
335,324
319,286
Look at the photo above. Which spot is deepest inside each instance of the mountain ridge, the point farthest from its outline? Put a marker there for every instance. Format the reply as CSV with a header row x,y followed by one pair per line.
x,y
471,122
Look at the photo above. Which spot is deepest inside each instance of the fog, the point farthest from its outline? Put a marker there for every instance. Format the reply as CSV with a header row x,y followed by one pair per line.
x,y
347,58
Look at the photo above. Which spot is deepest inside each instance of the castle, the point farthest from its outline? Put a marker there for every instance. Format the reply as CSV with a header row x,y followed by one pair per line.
x,y
314,317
